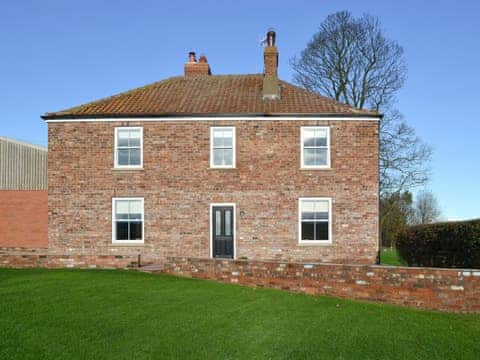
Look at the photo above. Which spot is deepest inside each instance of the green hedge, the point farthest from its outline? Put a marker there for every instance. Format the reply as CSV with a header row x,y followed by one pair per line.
x,y
449,244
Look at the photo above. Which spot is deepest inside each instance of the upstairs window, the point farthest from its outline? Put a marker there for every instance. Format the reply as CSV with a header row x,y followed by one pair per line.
x,y
127,217
128,147
315,220
222,147
315,147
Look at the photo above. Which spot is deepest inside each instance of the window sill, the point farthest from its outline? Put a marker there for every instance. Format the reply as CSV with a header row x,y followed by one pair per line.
x,y
222,168
127,245
315,169
132,246
315,244
128,169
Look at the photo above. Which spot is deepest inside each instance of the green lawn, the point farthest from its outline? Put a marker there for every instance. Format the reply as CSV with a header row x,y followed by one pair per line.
x,y
94,314
390,257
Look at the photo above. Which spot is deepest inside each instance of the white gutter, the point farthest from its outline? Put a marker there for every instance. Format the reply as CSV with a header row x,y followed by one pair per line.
x,y
219,118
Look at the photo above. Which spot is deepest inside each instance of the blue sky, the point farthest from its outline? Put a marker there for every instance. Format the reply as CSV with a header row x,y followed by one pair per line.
x,y
56,54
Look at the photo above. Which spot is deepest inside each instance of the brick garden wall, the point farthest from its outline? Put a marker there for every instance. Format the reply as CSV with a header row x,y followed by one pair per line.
x,y
455,290
427,288
22,258
23,218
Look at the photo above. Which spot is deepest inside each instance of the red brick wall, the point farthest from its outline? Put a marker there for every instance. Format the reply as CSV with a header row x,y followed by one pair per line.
x,y
427,288
23,218
38,257
178,186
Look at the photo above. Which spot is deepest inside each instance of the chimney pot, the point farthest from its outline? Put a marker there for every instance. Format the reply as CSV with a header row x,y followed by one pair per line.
x,y
271,35
192,67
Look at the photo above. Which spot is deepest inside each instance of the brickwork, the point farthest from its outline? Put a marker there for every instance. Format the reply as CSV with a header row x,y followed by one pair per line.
x,y
178,187
271,61
23,218
427,288
455,290
40,258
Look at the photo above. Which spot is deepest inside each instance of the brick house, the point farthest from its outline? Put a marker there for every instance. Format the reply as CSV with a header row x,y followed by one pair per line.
x,y
215,166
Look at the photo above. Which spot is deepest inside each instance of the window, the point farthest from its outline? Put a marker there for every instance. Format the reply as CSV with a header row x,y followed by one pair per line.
x,y
315,220
128,147
127,220
315,147
222,147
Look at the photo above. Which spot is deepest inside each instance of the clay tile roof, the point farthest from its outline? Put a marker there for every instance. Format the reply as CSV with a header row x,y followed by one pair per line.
x,y
234,95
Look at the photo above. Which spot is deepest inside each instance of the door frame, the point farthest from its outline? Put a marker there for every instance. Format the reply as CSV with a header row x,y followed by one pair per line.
x,y
234,228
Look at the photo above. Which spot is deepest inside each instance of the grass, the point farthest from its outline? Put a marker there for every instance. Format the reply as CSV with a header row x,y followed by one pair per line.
x,y
390,256
95,314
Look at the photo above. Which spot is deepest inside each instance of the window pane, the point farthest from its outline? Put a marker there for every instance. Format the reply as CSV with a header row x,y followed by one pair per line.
x,y
228,222
321,230
121,209
227,138
308,229
135,209
309,157
308,209
135,230
321,210
320,137
122,157
122,139
227,157
134,157
217,138
308,137
222,138
217,157
122,230
134,138
315,157
321,156
218,222
315,137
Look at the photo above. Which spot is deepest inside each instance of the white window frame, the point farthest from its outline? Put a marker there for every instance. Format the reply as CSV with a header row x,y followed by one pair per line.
x,y
234,228
234,147
115,155
302,164
114,228
330,224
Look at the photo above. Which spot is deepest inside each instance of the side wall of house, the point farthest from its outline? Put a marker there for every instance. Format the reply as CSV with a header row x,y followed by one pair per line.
x,y
178,187
23,218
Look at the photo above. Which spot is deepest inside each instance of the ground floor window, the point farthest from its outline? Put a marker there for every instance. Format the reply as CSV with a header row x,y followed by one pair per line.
x,y
127,220
315,220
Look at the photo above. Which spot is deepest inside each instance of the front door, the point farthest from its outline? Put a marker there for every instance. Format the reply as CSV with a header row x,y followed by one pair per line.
x,y
223,231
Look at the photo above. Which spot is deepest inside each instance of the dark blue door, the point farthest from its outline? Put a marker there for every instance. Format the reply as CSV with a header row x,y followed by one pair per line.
x,y
223,231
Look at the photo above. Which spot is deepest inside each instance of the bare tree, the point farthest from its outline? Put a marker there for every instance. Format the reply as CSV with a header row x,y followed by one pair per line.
x,y
426,208
404,157
353,62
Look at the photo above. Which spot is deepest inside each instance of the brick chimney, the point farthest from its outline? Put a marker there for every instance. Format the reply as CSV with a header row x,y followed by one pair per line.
x,y
271,86
192,67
